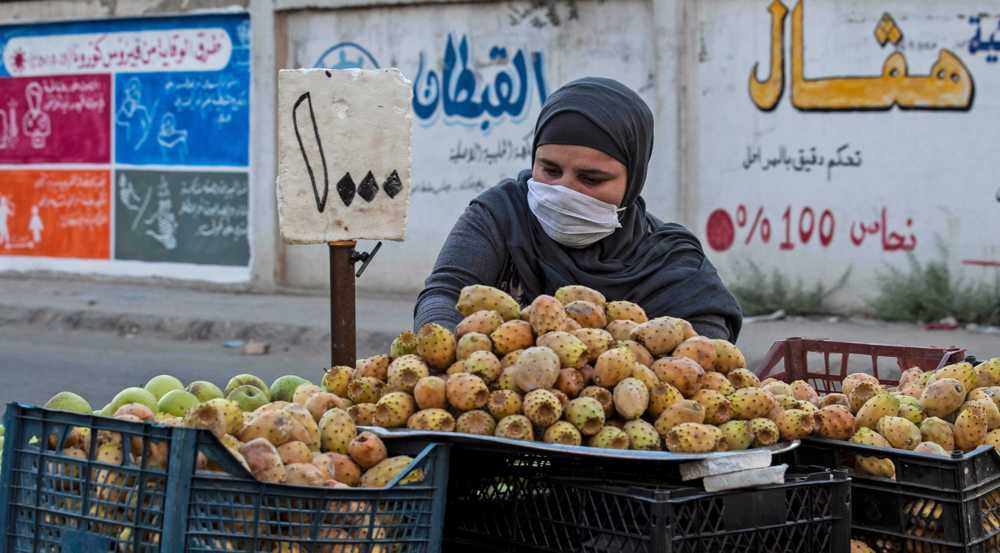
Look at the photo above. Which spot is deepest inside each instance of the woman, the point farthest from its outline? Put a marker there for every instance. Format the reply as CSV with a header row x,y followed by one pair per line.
x,y
578,217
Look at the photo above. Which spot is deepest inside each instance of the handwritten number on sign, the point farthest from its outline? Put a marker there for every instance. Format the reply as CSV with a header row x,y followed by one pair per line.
x,y
320,200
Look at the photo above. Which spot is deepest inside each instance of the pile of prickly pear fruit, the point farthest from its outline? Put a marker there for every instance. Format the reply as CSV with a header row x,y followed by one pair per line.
x,y
573,369
935,412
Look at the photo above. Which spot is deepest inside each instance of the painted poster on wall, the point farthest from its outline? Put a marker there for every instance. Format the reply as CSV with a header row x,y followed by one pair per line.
x,y
126,141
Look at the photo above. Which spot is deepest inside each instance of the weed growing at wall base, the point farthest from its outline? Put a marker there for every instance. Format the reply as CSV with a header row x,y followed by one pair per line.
x,y
760,293
932,291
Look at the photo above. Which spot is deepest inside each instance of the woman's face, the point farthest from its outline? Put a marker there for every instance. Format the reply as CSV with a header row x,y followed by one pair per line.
x,y
585,170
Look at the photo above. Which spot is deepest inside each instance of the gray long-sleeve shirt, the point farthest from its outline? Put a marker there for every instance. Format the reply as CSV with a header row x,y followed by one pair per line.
x,y
476,253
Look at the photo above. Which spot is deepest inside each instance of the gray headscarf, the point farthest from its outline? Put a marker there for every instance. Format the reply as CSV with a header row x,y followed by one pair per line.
x,y
661,266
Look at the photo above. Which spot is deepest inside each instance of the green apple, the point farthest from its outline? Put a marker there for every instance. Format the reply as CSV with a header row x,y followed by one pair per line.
x,y
246,379
204,390
68,401
176,402
283,387
130,395
248,397
160,385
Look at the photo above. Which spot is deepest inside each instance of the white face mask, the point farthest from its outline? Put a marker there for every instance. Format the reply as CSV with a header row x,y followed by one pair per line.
x,y
571,218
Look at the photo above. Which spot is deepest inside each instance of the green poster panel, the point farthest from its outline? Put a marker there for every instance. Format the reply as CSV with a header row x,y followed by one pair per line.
x,y
182,216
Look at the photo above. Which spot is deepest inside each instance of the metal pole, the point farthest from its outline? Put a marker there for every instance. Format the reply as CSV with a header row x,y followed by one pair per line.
x,y
343,334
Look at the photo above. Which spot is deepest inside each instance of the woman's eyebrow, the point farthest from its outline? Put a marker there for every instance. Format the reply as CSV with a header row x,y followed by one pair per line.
x,y
547,161
595,173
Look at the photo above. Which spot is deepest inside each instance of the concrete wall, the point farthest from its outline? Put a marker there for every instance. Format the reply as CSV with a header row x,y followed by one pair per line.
x,y
811,185
834,176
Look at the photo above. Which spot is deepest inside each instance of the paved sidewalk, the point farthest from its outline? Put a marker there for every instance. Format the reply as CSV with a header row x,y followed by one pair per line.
x,y
303,320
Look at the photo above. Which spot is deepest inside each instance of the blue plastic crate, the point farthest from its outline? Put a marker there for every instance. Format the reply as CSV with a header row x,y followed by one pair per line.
x,y
53,501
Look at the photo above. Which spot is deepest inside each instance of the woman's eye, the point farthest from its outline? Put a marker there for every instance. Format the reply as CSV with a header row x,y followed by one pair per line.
x,y
552,172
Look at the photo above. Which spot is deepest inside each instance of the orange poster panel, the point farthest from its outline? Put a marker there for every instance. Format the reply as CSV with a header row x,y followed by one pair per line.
x,y
55,213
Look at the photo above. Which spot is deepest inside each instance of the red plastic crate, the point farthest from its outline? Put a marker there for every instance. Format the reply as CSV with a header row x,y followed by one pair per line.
x,y
825,363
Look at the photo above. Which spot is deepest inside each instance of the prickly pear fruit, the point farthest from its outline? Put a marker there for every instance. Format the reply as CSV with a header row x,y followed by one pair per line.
x,y
718,382
470,342
717,407
861,393
394,409
263,459
381,474
962,372
867,436
571,350
900,432
835,422
503,403
642,435
547,314
512,336
680,372
685,410
587,314
404,344
610,437
596,340
930,448
660,336
466,392
612,366
911,410
909,375
363,414
691,437
728,357
336,430
570,382
875,466
991,393
364,390
375,367
542,408
485,365
645,375
661,397
852,380
621,330
478,298
882,405
367,450
939,431
765,432
778,389
988,410
970,429
586,414
700,349
858,546
631,398
433,418
562,432
516,427
751,403
336,379
436,346
803,391
639,351
476,421
536,367
835,399
736,435
619,310
404,373
795,424
742,378
993,438
603,396
483,322
988,372
305,391
429,392
942,397
575,292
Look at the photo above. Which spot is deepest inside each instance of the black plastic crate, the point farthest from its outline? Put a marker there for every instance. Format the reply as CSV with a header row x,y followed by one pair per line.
x,y
935,504
508,501
53,502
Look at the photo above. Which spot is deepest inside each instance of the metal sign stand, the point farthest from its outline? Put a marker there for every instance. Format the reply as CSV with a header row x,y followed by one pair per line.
x,y
343,328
